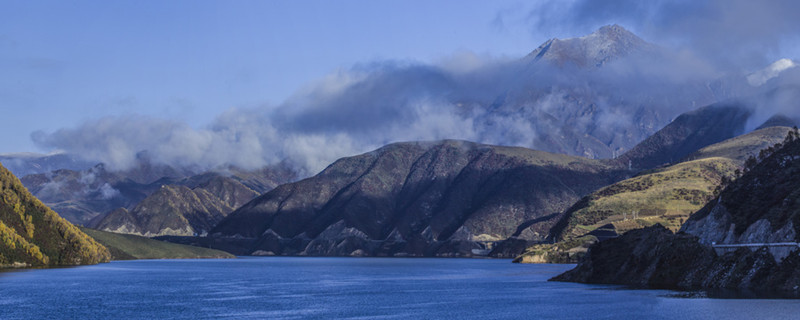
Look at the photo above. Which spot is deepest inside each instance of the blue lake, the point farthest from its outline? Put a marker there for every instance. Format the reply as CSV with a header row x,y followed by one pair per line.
x,y
354,288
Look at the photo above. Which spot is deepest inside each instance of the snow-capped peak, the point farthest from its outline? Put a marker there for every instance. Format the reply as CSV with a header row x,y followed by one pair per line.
x,y
761,77
593,50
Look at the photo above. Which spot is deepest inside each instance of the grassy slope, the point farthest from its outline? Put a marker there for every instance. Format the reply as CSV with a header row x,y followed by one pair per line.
x,y
667,196
31,234
126,247
741,147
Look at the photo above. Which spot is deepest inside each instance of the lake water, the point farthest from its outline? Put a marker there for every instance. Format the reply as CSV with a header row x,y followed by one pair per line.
x,y
354,288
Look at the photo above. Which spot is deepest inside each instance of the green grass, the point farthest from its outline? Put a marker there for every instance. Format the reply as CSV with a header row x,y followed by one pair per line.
x,y
667,196
127,247
741,147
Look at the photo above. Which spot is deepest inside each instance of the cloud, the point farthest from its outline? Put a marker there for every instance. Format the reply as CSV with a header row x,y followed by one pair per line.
x,y
593,111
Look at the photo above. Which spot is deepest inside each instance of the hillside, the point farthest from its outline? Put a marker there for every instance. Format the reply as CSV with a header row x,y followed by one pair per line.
x,y
34,235
762,206
416,199
126,247
81,195
84,197
686,134
744,146
666,196
178,210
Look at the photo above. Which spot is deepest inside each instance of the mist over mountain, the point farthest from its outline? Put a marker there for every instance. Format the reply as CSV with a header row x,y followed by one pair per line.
x,y
594,96
23,164
83,195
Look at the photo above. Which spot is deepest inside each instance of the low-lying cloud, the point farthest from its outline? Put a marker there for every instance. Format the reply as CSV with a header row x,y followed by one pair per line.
x,y
503,102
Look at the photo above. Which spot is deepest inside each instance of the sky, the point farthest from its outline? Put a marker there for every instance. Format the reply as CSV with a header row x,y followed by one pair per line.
x,y
258,82
66,62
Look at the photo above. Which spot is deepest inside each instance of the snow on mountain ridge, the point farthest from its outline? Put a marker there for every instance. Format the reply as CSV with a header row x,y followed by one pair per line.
x,y
593,50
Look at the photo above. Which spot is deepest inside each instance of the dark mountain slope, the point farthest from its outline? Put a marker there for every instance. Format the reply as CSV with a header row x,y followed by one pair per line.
x,y
688,133
763,206
416,199
33,235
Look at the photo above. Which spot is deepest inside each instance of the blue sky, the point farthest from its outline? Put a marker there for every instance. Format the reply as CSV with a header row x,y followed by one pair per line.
x,y
66,62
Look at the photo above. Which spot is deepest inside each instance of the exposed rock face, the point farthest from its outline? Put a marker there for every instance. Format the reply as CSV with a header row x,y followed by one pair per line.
x,y
417,199
177,210
33,235
763,206
655,257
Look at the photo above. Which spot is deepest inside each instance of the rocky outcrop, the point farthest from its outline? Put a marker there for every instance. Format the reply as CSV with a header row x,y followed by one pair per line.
x,y
655,257
763,206
416,199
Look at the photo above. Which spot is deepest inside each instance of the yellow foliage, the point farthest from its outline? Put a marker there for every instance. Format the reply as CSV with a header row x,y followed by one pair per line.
x,y
63,241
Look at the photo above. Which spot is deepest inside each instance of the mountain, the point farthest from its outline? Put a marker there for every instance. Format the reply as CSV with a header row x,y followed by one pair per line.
x,y
80,196
594,50
23,164
688,133
574,100
666,196
84,197
741,147
762,206
129,247
180,210
34,235
417,199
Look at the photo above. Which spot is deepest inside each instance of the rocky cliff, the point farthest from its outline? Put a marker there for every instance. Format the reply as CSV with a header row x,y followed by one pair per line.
x,y
763,206
655,257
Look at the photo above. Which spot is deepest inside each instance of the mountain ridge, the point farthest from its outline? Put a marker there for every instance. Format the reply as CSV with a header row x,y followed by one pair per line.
x,y
419,199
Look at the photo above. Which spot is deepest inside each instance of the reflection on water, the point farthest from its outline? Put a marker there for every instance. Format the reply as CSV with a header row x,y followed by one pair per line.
x,y
368,288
